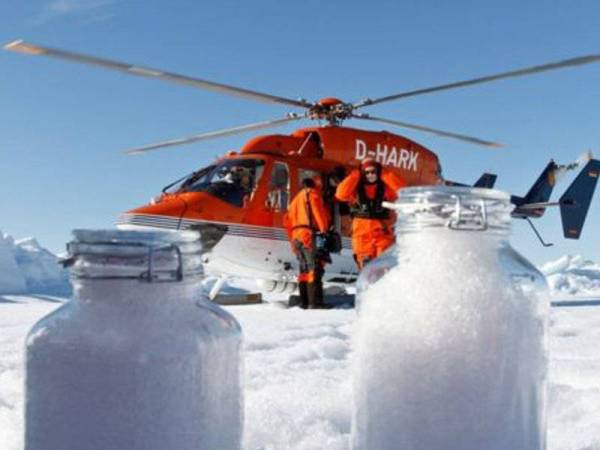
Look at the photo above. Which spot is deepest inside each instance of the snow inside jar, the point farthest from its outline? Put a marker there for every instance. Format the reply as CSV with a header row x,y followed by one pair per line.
x,y
449,346
139,358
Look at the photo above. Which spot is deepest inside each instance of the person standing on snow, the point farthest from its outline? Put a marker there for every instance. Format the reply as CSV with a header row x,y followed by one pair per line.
x,y
365,190
306,216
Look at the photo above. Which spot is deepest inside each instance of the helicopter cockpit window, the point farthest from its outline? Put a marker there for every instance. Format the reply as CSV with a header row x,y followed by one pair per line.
x,y
191,182
232,181
279,188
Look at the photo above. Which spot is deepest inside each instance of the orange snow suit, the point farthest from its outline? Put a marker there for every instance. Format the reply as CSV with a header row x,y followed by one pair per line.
x,y
371,232
306,215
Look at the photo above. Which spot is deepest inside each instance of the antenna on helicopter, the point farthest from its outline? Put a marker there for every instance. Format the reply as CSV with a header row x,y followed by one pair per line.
x,y
330,109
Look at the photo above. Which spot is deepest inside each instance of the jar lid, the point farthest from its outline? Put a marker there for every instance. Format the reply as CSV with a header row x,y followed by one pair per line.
x,y
150,256
453,207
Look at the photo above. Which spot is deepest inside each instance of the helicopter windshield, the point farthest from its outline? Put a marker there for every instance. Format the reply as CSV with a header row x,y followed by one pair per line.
x,y
232,181
184,184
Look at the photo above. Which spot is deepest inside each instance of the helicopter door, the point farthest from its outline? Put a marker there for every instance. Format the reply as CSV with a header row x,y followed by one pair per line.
x,y
279,189
278,258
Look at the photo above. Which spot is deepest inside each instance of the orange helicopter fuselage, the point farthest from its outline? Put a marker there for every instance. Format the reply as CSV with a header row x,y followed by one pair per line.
x,y
253,222
319,150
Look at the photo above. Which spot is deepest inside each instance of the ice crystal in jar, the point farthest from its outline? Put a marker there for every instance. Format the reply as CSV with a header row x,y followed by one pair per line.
x,y
449,347
139,358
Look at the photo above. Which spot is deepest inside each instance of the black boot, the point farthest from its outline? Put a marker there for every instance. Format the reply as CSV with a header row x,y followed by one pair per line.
x,y
319,300
312,304
315,296
304,297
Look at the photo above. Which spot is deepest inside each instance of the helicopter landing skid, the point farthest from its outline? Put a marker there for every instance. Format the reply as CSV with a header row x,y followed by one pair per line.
x,y
238,299
342,301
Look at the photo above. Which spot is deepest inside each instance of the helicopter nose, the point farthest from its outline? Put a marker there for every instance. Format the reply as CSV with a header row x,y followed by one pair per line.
x,y
165,214
169,215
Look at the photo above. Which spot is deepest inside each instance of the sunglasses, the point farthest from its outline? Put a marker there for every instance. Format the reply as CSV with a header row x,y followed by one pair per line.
x,y
370,172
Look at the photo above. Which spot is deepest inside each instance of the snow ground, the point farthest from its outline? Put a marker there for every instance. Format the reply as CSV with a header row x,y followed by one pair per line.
x,y
573,276
298,392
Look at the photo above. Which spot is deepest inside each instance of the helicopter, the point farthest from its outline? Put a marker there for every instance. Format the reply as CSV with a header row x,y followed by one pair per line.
x,y
238,202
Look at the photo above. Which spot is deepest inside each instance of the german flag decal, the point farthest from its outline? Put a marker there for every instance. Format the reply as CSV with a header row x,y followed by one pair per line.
x,y
573,232
593,174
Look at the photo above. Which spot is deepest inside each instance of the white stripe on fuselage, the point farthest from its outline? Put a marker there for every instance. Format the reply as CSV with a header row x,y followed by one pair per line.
x,y
249,251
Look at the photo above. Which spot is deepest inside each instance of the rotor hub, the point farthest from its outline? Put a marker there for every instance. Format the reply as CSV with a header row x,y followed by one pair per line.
x,y
331,109
329,101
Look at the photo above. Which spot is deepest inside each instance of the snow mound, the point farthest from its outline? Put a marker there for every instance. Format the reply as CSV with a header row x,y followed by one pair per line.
x,y
573,275
11,278
28,268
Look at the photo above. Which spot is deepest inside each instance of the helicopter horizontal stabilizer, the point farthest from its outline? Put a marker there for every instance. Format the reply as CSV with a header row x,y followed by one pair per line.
x,y
575,202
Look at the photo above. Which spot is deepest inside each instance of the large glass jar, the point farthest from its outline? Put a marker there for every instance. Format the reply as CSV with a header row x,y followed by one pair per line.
x,y
449,346
139,358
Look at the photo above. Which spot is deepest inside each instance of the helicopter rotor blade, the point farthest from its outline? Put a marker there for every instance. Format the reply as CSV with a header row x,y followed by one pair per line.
x,y
33,49
215,134
460,137
499,76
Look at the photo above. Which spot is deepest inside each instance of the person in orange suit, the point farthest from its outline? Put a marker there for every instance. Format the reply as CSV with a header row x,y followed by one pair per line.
x,y
306,216
364,190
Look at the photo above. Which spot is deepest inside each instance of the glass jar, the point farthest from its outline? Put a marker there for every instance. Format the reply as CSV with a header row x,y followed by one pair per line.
x,y
139,358
449,346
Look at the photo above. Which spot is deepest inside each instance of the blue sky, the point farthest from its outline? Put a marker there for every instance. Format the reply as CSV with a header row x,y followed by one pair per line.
x,y
62,126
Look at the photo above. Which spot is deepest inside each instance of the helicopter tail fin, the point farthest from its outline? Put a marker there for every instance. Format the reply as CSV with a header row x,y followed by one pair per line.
x,y
541,190
487,180
535,201
575,202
